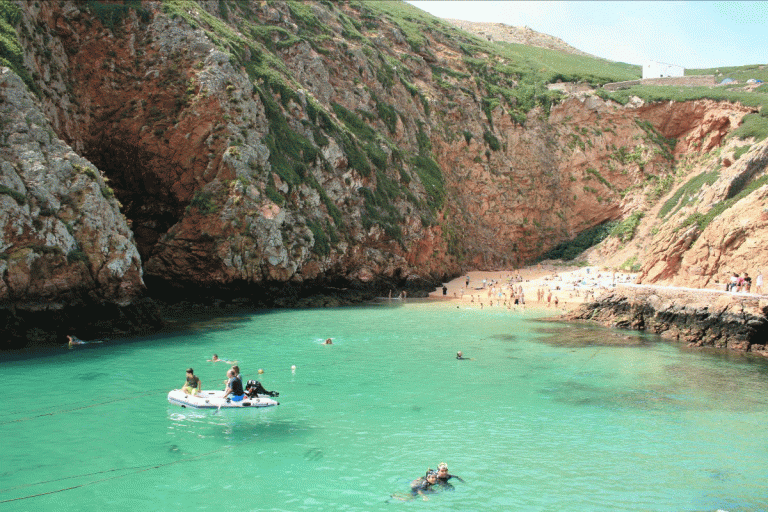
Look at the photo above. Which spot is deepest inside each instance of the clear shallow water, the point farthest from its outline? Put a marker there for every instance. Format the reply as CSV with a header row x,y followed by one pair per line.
x,y
545,417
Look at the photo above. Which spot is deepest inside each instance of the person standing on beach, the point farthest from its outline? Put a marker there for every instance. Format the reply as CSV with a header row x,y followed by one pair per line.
x,y
759,282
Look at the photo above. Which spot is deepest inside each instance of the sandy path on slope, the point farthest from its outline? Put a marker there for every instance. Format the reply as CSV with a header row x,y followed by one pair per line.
x,y
568,286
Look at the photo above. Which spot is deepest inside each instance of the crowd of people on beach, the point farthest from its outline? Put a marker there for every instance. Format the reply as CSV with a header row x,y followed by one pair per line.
x,y
509,292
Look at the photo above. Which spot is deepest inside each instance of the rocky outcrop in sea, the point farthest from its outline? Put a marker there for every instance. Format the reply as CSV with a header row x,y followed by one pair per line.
x,y
698,317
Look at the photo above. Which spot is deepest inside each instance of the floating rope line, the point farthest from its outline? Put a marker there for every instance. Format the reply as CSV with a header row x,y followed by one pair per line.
x,y
141,469
54,413
22,486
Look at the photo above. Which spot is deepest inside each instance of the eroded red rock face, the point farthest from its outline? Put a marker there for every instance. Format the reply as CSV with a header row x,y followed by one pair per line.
x,y
194,148
706,252
62,235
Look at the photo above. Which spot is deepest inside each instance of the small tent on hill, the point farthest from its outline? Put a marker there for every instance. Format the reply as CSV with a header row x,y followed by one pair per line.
x,y
727,81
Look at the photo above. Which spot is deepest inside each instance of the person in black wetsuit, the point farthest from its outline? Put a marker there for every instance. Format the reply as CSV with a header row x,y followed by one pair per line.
x,y
254,388
424,484
443,476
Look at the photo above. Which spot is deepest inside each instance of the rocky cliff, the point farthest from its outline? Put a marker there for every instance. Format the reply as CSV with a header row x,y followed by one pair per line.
x,y
66,248
275,149
702,318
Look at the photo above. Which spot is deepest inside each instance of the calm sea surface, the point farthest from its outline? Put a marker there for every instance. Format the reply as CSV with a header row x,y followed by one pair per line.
x,y
546,417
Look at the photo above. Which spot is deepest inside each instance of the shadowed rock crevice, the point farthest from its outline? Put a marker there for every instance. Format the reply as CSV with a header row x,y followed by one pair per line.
x,y
146,201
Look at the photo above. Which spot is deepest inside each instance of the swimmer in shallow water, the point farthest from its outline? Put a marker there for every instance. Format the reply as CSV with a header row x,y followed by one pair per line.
x,y
215,359
328,341
443,476
423,484
72,341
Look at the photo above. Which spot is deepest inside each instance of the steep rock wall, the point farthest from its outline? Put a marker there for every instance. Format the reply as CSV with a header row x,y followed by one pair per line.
x,y
312,144
64,242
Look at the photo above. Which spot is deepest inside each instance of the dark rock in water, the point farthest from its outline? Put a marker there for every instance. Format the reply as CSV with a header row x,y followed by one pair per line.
x,y
702,318
37,326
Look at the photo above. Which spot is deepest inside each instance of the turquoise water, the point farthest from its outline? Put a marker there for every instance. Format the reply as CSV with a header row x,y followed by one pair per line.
x,y
546,417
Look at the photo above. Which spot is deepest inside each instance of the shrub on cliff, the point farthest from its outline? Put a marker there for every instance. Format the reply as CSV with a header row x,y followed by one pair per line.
x,y
625,230
583,241
11,52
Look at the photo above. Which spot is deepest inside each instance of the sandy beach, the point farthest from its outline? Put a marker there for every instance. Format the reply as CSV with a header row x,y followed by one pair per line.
x,y
558,287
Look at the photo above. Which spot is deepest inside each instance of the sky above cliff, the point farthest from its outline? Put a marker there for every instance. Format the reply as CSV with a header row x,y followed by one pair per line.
x,y
690,34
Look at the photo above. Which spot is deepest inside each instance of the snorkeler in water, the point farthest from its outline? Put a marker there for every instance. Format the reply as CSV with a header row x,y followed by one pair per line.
x,y
443,476
424,484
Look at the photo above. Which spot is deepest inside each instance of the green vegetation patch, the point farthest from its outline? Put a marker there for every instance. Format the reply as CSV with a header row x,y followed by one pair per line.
x,y
753,126
739,73
409,19
625,230
354,123
204,203
492,141
289,151
432,178
666,145
594,172
685,192
631,265
322,246
111,15
20,198
47,249
77,255
11,52
740,151
583,241
702,220
388,115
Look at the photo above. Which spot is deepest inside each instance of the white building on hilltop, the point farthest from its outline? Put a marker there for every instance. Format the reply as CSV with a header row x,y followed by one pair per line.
x,y
653,69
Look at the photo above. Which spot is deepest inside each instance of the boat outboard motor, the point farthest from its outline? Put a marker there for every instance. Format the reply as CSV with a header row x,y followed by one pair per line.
x,y
254,387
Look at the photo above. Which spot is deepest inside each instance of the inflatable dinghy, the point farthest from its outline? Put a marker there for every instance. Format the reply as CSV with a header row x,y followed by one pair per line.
x,y
213,399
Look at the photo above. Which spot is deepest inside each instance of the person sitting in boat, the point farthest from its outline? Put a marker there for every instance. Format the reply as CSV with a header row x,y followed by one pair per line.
x,y
254,388
443,476
192,386
423,484
236,369
234,387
